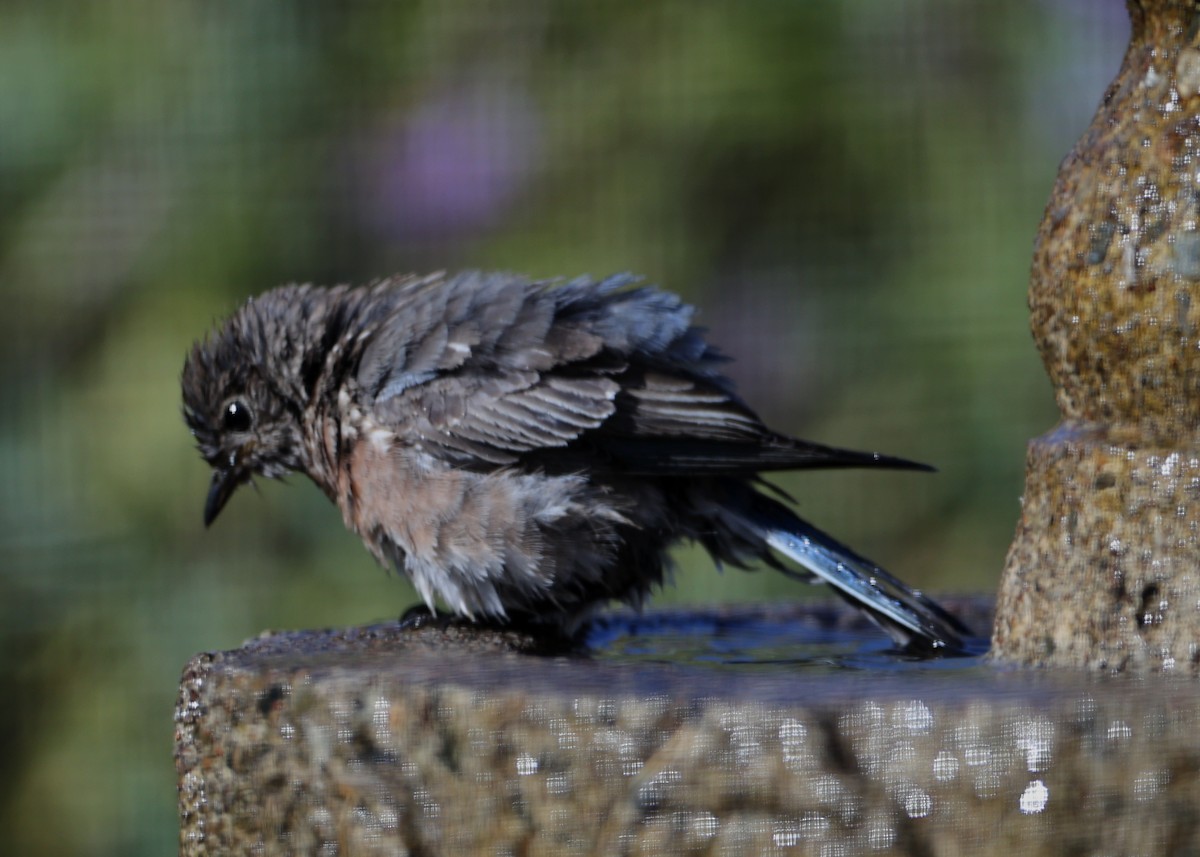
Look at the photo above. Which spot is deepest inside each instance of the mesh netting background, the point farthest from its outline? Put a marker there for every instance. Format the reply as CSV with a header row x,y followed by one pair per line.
x,y
848,190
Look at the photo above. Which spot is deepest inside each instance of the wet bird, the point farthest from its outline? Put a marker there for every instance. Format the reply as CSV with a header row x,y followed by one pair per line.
x,y
523,451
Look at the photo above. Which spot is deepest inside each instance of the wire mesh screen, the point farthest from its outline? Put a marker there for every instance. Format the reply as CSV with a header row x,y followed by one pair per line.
x,y
847,190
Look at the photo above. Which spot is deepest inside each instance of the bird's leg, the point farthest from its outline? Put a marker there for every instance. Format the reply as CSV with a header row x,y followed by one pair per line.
x,y
420,616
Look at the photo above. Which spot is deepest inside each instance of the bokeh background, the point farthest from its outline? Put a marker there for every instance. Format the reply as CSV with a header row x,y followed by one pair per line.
x,y
848,189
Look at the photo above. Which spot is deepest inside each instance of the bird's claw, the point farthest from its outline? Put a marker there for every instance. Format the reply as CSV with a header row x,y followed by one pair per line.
x,y
420,616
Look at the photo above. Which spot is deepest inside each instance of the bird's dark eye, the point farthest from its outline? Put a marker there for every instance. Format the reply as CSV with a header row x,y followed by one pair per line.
x,y
237,417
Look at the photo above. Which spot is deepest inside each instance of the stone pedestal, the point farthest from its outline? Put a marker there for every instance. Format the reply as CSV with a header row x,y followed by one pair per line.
x,y
1104,571
372,741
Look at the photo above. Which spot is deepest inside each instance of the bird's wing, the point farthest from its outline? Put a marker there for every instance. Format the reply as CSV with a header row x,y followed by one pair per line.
x,y
494,419
657,424
489,369
670,423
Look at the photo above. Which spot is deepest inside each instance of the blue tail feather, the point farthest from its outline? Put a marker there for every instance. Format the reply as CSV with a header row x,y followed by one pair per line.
x,y
906,614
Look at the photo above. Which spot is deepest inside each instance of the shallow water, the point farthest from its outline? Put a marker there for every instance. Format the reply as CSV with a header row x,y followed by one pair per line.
x,y
782,640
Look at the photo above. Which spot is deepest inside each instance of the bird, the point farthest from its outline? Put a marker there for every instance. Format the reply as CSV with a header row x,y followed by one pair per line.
x,y
524,451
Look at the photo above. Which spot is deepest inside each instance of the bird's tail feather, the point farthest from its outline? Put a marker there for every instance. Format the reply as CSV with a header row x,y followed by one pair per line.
x,y
908,616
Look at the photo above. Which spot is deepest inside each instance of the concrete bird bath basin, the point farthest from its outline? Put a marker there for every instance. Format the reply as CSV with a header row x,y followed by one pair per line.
x,y
752,730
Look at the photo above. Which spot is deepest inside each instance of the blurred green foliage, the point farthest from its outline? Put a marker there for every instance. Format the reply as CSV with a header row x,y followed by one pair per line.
x,y
848,190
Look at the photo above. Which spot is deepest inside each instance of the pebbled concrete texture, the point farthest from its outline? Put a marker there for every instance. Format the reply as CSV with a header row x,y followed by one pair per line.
x,y
1104,570
373,741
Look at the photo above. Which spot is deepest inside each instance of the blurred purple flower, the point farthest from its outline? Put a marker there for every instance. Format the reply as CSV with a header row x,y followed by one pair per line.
x,y
451,166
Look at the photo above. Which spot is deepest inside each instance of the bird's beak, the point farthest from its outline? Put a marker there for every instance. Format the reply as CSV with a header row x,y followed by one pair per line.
x,y
224,483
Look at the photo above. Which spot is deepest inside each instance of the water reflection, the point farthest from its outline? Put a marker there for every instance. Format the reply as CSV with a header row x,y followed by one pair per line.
x,y
764,641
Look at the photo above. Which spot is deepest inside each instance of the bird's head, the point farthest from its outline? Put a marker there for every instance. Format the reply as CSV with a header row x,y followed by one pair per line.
x,y
242,396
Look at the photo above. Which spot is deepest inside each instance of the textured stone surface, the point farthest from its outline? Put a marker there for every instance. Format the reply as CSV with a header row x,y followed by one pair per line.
x,y
1105,567
1113,294
365,742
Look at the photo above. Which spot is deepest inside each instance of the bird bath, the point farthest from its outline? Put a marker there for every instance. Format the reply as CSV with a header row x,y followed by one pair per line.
x,y
788,729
